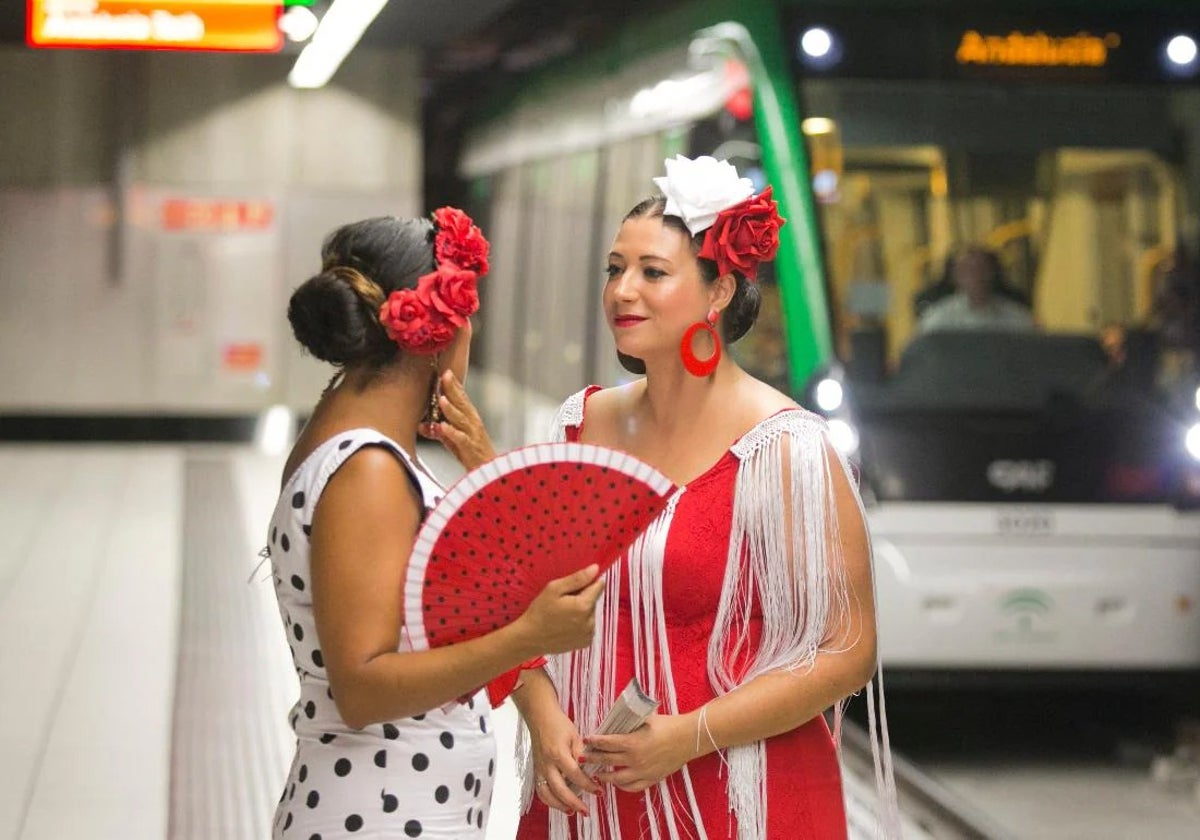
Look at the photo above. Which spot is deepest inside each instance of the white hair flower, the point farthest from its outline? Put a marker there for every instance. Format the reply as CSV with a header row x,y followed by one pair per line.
x,y
697,190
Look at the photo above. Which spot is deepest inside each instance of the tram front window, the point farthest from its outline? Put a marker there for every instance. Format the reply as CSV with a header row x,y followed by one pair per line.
x,y
1002,295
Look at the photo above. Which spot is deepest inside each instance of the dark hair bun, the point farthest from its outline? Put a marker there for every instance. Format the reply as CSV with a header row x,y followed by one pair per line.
x,y
742,311
333,323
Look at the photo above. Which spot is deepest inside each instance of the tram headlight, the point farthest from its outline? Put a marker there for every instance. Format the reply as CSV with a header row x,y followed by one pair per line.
x,y
829,395
844,436
1192,441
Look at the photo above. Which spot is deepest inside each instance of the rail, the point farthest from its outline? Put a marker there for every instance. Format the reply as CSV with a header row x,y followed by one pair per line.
x,y
927,808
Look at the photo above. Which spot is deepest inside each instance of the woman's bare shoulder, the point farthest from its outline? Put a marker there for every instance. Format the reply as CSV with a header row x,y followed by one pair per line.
x,y
761,400
604,408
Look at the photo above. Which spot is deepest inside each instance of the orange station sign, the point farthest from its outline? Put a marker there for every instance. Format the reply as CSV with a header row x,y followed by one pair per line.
x,y
231,25
216,215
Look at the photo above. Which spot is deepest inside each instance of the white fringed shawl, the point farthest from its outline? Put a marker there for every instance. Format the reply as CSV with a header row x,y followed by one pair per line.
x,y
803,604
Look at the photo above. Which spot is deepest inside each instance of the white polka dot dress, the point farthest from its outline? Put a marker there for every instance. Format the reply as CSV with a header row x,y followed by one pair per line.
x,y
428,776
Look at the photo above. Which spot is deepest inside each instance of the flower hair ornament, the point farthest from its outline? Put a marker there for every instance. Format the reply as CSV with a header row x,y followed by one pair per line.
x,y
741,230
424,320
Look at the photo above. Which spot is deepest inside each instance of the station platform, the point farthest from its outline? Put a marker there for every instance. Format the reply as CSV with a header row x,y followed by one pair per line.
x,y
146,677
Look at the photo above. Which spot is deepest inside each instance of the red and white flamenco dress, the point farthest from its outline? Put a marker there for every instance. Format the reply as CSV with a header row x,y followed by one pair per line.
x,y
704,602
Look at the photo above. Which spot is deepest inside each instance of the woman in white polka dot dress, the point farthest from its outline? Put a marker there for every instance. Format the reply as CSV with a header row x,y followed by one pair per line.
x,y
390,742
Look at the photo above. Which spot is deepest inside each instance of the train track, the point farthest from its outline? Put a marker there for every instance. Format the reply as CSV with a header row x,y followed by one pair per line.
x,y
928,810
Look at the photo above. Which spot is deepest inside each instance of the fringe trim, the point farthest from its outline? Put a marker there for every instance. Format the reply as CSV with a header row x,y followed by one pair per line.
x,y
803,604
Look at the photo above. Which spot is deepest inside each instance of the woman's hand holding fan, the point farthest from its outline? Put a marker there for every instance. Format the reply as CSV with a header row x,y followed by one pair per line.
x,y
563,615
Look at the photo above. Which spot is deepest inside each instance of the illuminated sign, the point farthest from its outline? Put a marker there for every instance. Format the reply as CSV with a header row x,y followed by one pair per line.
x,y
1036,49
216,214
234,25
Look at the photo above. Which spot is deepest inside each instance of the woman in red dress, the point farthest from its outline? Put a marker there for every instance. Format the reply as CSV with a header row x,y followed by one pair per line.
x,y
747,607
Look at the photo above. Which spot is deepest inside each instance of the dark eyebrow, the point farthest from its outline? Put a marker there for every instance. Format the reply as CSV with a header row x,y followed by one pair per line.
x,y
655,258
643,259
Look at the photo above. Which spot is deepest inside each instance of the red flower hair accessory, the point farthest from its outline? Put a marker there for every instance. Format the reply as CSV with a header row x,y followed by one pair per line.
x,y
744,235
424,320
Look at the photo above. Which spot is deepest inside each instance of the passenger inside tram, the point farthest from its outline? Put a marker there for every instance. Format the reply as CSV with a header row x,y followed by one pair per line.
x,y
973,295
1083,249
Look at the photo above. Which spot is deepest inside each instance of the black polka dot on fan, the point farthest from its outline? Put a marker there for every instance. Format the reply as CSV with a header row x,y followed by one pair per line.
x,y
412,828
491,766
298,631
441,794
447,740
478,786
343,767
303,774
390,732
344,444
317,659
307,529
288,822
313,799
381,758
420,762
298,499
310,710
354,822
328,738
297,581
469,782
285,542
479,819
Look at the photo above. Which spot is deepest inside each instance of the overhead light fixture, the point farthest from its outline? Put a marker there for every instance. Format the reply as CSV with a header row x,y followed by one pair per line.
x,y
298,23
820,48
1182,50
816,42
339,31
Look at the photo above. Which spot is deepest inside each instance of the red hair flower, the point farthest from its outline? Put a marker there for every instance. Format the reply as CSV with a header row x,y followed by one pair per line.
x,y
452,292
459,241
744,235
412,322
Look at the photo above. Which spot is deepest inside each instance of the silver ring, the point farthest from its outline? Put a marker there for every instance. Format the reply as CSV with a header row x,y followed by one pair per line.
x,y
541,782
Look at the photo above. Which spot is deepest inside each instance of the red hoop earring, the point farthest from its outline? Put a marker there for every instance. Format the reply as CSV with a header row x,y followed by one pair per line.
x,y
695,366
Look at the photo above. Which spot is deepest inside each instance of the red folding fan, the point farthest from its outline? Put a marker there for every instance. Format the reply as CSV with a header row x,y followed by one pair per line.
x,y
509,527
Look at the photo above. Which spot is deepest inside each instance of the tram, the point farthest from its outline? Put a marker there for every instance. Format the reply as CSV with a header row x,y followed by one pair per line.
x,y
1032,488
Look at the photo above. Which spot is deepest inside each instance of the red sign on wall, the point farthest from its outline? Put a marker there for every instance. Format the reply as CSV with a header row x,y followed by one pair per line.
x,y
216,214
232,25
